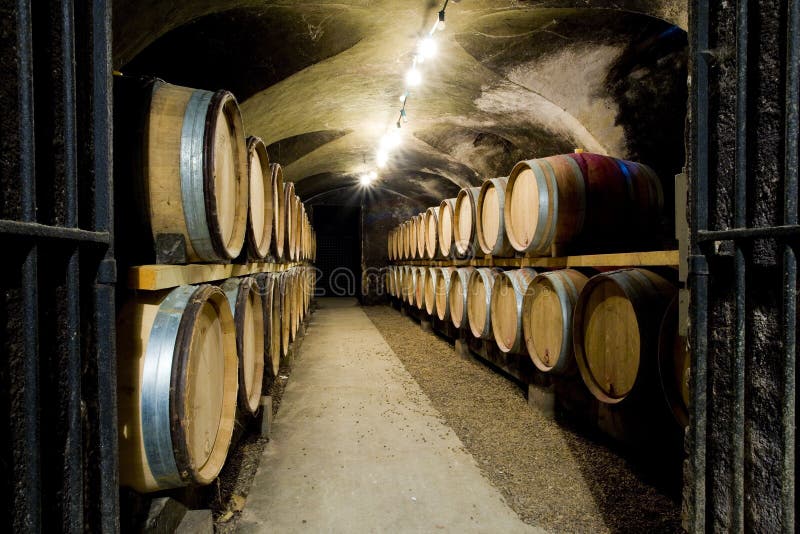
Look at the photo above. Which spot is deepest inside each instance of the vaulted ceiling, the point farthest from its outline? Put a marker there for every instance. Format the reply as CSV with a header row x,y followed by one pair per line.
x,y
320,81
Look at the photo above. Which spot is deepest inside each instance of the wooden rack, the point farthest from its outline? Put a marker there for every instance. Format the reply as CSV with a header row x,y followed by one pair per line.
x,y
656,258
157,277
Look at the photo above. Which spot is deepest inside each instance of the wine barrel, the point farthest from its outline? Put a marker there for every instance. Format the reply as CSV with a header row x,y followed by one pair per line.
x,y
259,214
272,317
278,212
195,170
244,297
406,241
284,292
489,224
615,331
267,287
411,274
389,281
290,220
390,245
432,275
457,297
442,291
479,299
419,288
177,386
674,365
412,237
465,213
432,232
506,308
553,201
401,241
445,229
421,233
547,319
298,237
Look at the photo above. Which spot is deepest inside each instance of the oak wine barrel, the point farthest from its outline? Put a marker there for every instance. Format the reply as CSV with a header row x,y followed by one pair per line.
x,y
412,238
615,329
272,299
601,200
445,229
674,365
195,170
177,386
489,224
479,300
547,319
442,291
290,220
419,288
405,237
244,297
267,287
457,297
432,232
284,290
421,233
432,275
259,214
465,213
506,308
298,226
278,212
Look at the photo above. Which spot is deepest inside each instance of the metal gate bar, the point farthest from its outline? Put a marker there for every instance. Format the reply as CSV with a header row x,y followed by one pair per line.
x,y
59,461
705,511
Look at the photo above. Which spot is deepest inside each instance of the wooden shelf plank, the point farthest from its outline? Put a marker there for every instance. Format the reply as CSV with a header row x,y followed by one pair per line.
x,y
156,277
655,258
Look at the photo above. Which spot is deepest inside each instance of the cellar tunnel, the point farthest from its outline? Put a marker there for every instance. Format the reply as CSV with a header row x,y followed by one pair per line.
x,y
512,81
399,266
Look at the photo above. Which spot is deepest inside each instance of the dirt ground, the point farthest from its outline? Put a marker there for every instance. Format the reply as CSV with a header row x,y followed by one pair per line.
x,y
553,477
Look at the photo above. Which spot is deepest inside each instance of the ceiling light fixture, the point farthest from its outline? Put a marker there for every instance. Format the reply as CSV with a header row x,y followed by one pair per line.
x,y
427,48
381,158
413,77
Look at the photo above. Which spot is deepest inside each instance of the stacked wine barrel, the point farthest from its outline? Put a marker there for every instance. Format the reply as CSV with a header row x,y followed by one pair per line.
x,y
576,202
617,330
195,358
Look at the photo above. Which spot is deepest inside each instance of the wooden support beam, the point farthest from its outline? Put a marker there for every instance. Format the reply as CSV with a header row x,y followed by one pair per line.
x,y
654,258
156,277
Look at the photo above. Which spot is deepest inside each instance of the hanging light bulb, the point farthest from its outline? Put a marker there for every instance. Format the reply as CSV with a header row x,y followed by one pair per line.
x,y
413,77
381,158
427,48
390,140
440,26
367,178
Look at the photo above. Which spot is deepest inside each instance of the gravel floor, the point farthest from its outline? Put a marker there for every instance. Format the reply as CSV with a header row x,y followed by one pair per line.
x,y
551,476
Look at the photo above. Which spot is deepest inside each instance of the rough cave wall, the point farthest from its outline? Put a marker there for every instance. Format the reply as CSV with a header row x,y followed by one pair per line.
x,y
755,504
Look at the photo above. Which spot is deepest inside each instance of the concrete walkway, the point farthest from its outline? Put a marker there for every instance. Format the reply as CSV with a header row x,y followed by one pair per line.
x,y
357,447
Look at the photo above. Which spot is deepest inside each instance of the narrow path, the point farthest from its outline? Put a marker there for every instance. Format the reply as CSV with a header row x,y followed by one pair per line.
x,y
357,446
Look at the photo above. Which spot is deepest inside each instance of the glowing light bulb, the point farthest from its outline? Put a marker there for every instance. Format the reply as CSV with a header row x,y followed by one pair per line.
x,y
427,48
390,140
413,77
382,158
368,178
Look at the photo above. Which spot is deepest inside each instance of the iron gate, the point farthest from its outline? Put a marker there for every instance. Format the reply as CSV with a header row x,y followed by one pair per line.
x,y
743,267
58,458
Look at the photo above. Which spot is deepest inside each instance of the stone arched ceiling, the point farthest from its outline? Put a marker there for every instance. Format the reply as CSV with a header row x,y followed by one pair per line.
x,y
320,82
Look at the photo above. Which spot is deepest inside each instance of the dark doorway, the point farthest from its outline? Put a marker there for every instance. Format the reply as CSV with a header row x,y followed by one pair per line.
x,y
338,250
